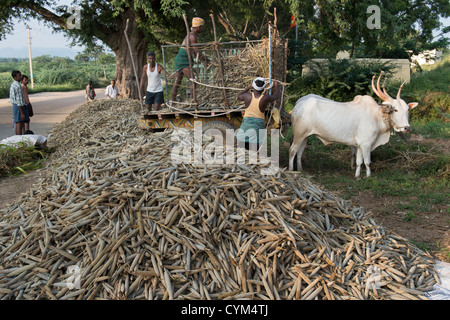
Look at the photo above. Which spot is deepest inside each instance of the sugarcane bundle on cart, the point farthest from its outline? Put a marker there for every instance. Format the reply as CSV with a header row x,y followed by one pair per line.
x,y
233,65
214,74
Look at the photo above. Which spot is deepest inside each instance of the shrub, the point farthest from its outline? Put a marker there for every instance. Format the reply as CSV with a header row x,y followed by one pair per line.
x,y
339,80
430,88
432,129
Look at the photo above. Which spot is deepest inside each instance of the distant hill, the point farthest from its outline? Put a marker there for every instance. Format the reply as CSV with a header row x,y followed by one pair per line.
x,y
22,52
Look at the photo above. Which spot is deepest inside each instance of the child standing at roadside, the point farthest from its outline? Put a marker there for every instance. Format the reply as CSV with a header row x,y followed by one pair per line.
x,y
90,92
27,101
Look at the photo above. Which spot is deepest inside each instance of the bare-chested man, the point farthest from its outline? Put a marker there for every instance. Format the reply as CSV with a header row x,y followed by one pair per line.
x,y
182,60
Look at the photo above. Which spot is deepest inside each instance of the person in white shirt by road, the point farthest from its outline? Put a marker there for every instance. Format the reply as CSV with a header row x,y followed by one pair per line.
x,y
111,91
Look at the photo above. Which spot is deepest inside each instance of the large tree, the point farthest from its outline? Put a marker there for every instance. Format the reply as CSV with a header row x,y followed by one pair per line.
x,y
103,20
151,23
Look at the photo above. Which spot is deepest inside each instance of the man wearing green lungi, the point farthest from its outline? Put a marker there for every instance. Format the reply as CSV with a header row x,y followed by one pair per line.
x,y
181,62
256,103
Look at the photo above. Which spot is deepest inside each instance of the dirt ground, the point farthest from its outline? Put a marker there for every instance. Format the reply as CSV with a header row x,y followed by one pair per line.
x,y
12,187
428,230
431,228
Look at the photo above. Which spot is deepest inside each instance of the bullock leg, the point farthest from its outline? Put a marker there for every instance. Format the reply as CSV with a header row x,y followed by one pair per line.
x,y
359,161
300,153
352,159
297,147
367,160
292,152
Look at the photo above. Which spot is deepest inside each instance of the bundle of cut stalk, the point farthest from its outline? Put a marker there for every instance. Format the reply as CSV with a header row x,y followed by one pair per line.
x,y
104,123
238,72
136,224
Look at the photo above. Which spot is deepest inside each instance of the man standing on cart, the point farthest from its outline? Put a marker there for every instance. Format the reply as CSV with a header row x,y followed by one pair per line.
x,y
151,74
181,62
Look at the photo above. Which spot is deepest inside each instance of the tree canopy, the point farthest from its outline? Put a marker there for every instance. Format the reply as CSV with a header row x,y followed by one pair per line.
x,y
329,25
336,24
325,27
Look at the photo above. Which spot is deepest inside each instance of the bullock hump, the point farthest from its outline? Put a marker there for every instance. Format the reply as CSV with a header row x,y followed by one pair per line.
x,y
366,100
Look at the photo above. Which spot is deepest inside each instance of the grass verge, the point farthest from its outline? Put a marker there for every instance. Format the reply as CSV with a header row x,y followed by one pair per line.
x,y
20,158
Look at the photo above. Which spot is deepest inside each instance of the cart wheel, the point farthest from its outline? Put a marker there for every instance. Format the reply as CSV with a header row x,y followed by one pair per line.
x,y
220,127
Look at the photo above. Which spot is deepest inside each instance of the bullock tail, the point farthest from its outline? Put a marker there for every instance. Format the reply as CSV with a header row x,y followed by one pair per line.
x,y
284,115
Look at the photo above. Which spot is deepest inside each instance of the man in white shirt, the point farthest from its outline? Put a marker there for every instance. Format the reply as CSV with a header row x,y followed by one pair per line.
x,y
151,75
111,91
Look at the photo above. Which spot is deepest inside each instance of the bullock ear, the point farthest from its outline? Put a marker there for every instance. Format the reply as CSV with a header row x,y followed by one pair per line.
x,y
412,105
386,107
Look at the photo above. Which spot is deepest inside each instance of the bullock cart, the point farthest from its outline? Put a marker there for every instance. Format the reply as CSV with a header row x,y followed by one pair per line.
x,y
210,97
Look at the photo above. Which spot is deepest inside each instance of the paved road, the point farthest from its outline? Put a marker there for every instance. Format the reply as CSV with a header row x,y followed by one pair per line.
x,y
49,108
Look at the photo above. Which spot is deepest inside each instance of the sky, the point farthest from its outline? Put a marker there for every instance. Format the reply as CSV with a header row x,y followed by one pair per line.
x,y
41,36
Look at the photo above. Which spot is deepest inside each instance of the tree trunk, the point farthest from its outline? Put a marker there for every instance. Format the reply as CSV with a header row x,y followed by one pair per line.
x,y
125,75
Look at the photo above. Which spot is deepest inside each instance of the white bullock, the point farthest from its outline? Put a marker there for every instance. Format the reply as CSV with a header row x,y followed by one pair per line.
x,y
362,123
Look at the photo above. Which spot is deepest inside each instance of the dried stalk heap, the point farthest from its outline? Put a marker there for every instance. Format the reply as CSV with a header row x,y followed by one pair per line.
x,y
235,68
238,72
136,226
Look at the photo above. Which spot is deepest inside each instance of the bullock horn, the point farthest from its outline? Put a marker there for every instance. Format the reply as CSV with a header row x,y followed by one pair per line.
x,y
385,95
379,94
400,89
377,90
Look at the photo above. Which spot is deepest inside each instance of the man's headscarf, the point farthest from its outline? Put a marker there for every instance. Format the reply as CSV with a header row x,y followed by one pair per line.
x,y
256,87
197,22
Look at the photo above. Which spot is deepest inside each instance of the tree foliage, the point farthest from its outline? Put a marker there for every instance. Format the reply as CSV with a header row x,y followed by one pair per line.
x,y
336,24
324,27
329,25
